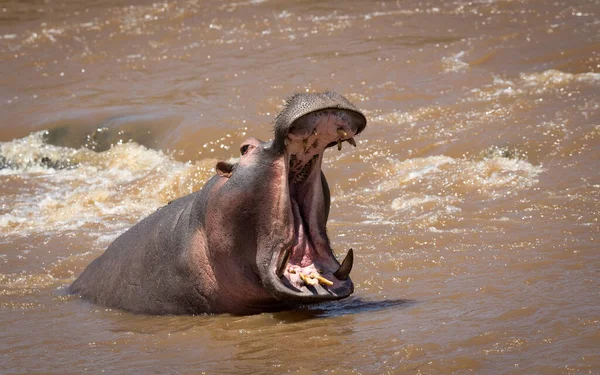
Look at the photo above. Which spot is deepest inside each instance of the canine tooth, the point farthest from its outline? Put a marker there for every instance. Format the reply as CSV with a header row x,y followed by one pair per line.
x,y
351,141
339,144
344,270
284,260
342,133
321,279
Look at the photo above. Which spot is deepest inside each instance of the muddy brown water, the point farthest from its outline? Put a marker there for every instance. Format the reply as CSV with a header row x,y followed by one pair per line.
x,y
471,201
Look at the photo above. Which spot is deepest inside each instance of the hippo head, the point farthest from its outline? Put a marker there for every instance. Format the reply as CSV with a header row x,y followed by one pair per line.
x,y
281,199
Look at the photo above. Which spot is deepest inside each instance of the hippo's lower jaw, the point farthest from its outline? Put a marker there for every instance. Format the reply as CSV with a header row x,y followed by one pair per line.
x,y
303,269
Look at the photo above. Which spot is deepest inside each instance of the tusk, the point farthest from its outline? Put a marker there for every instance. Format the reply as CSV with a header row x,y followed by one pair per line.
x,y
344,270
322,280
308,280
339,144
284,260
342,133
351,141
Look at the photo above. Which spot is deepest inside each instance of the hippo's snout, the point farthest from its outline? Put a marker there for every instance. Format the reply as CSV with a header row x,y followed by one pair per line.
x,y
300,107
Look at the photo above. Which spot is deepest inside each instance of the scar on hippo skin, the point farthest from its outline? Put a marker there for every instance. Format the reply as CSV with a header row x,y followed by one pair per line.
x,y
253,239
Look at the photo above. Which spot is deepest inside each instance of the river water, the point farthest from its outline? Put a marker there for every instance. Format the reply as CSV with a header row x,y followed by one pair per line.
x,y
472,200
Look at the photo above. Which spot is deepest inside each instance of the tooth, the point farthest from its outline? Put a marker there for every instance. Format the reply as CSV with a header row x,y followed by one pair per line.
x,y
344,270
342,133
286,142
321,279
284,260
339,144
308,280
351,141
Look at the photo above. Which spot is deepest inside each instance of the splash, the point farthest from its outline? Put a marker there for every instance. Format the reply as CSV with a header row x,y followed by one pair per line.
x,y
425,191
60,189
547,81
455,63
555,78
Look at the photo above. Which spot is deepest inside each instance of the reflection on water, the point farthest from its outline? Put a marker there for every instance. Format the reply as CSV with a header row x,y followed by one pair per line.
x,y
471,200
352,305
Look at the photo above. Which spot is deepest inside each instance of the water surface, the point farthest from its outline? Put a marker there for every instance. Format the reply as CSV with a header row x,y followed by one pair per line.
x,y
472,200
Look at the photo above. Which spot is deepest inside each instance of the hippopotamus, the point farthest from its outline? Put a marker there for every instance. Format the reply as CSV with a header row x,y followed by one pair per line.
x,y
252,240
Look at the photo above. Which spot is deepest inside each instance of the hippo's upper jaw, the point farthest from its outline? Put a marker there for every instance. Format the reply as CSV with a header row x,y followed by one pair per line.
x,y
303,269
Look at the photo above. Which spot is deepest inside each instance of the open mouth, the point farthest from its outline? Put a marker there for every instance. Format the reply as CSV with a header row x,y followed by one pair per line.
x,y
306,267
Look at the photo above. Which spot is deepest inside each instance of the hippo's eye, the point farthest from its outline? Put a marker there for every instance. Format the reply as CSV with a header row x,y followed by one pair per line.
x,y
244,149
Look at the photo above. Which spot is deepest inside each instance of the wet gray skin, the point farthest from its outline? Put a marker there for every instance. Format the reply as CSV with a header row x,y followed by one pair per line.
x,y
252,239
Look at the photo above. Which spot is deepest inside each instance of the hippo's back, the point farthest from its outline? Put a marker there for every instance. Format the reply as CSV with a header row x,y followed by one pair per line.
x,y
144,270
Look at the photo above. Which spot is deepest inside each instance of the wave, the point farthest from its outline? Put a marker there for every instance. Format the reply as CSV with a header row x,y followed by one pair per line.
x,y
538,83
424,191
61,189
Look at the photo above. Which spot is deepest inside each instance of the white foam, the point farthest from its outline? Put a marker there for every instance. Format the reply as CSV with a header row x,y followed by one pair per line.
x,y
502,172
455,63
532,83
413,169
407,203
424,191
26,154
103,192
556,78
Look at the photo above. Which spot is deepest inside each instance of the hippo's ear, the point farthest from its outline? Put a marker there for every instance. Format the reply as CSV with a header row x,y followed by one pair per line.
x,y
224,169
